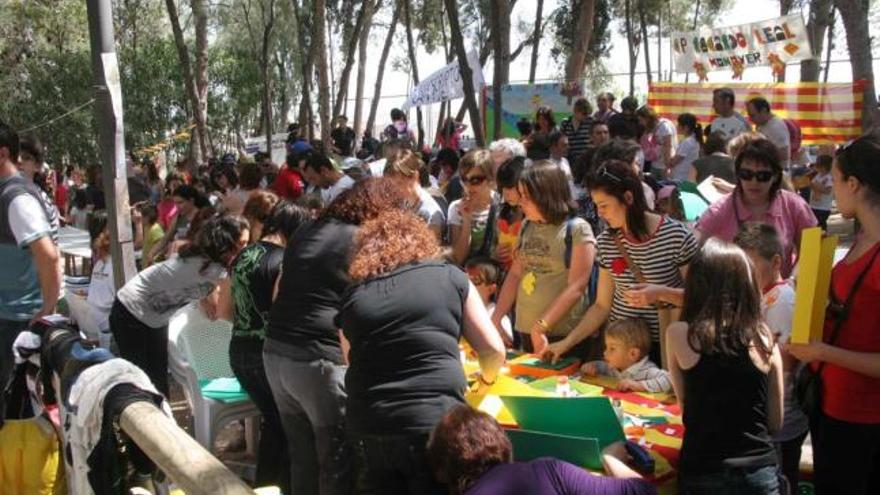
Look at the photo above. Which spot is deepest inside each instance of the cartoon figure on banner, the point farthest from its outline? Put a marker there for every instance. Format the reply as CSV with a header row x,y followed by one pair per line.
x,y
536,101
702,73
736,64
777,65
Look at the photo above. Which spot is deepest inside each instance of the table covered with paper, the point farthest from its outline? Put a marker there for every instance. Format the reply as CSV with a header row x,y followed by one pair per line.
x,y
575,425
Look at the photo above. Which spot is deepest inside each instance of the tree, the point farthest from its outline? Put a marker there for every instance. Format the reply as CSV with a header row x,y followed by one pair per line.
x,y
643,25
377,89
351,45
261,37
362,65
854,14
578,58
198,144
467,77
820,19
414,67
200,19
320,47
501,49
536,36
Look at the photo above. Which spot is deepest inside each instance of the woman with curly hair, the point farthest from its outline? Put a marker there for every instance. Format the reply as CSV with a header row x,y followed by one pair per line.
x,y
403,318
469,451
303,354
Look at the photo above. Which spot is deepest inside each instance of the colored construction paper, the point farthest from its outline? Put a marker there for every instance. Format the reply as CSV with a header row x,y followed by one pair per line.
x,y
583,389
490,403
585,417
528,445
815,260
693,204
540,363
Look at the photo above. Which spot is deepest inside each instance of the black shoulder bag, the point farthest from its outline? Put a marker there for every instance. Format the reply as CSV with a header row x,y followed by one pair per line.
x,y
808,383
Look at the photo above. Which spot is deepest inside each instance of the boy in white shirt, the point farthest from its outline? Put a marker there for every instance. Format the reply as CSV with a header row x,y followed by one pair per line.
x,y
762,244
627,344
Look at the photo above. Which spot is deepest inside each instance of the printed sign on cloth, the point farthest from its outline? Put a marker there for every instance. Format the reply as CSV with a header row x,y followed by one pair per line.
x,y
445,84
827,113
772,42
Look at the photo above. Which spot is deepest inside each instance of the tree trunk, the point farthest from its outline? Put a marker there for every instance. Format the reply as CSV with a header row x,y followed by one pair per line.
x,y
820,19
501,68
467,76
696,19
362,66
784,8
830,44
536,36
200,18
858,40
644,27
268,25
341,93
320,42
632,45
195,149
485,50
414,67
582,33
305,105
377,89
659,45
445,109
329,52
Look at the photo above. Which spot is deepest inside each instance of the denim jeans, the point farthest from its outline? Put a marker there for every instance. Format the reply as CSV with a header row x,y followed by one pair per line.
x,y
732,481
273,463
310,396
393,465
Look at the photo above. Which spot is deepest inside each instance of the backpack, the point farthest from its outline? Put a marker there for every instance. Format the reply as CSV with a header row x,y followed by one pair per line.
x,y
795,137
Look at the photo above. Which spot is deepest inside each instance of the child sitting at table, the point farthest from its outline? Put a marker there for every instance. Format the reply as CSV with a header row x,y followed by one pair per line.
x,y
485,274
627,342
762,244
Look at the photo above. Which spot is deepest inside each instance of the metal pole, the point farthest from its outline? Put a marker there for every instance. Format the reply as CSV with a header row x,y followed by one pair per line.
x,y
108,114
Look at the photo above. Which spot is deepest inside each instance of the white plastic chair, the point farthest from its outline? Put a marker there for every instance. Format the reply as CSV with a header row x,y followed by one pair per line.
x,y
198,350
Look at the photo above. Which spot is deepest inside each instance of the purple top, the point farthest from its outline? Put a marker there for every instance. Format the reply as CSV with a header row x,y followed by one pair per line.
x,y
549,476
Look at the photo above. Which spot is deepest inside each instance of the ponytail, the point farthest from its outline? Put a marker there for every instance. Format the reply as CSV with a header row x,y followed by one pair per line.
x,y
698,133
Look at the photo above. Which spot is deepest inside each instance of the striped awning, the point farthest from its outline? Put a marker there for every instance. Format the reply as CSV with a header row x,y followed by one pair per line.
x,y
827,113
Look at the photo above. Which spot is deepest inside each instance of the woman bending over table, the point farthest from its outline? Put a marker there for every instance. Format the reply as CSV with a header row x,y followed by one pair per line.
x,y
727,374
659,247
403,319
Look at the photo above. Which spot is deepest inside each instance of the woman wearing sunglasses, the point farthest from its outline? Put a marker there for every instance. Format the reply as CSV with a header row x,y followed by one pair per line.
x,y
758,197
471,217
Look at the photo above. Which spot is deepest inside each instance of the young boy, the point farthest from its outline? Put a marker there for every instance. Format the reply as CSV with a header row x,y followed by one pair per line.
x,y
820,189
486,275
762,244
627,343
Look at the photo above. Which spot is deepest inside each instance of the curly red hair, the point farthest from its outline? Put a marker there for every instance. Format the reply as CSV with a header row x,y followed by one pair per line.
x,y
366,200
466,444
390,240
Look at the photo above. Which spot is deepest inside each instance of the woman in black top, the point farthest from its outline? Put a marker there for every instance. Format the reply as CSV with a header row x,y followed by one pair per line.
x,y
253,276
727,375
302,353
403,319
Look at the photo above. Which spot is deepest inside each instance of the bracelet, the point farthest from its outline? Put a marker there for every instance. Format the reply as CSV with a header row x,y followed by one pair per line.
x,y
541,322
484,382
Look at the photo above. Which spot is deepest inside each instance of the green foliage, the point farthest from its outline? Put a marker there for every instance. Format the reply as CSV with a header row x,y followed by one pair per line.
x,y
562,22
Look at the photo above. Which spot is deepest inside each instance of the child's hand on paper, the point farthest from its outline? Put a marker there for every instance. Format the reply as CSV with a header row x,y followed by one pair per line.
x,y
539,342
626,385
589,369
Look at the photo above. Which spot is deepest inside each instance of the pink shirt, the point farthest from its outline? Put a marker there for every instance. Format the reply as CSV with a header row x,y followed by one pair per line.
x,y
788,212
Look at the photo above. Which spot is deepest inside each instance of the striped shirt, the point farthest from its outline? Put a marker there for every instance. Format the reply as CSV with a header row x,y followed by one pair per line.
x,y
578,138
644,372
660,258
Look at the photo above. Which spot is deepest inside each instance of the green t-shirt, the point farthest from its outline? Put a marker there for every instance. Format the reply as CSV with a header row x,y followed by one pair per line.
x,y
545,277
154,235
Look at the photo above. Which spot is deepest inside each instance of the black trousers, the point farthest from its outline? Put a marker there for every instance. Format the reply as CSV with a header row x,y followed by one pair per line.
x,y
789,455
846,457
144,346
393,465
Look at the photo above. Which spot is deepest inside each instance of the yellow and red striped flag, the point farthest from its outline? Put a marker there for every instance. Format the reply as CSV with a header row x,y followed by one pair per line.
x,y
827,113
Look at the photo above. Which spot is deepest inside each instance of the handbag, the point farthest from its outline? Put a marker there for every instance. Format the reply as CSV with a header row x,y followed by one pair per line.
x,y
666,313
808,383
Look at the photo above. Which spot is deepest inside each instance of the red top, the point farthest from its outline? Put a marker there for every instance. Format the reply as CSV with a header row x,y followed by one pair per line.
x,y
848,395
61,197
288,184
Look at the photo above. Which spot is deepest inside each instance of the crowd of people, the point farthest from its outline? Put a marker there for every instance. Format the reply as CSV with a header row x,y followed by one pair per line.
x,y
352,273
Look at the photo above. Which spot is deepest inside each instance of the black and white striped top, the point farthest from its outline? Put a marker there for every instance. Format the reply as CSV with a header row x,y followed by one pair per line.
x,y
579,138
660,258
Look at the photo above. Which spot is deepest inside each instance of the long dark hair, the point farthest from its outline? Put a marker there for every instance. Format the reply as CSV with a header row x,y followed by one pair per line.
x,y
861,159
285,218
689,121
216,240
616,178
190,193
548,189
764,152
722,302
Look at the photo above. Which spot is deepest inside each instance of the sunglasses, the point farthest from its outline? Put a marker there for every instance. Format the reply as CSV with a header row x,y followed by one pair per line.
x,y
475,180
603,172
760,175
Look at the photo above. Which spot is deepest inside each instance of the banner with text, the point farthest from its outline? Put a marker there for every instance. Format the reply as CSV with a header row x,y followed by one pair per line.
x,y
772,42
445,84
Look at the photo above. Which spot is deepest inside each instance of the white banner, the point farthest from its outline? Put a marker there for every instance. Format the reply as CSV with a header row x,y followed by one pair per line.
x,y
772,42
445,84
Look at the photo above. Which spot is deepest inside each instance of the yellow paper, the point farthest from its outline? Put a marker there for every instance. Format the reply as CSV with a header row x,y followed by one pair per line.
x,y
815,259
658,438
491,404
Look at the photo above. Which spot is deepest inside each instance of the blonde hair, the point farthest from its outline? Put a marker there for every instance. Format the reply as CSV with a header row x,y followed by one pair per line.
x,y
404,163
632,332
481,159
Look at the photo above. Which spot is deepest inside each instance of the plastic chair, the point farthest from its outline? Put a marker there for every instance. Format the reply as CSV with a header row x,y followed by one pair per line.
x,y
198,351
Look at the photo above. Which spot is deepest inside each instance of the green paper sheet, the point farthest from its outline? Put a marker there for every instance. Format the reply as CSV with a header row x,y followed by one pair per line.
x,y
693,204
584,389
584,417
528,445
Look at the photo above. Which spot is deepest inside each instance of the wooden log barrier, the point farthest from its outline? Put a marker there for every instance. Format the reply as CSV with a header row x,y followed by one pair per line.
x,y
183,459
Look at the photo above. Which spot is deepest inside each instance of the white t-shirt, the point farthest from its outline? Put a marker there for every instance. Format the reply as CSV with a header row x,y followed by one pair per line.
x,y
429,210
689,151
819,201
730,127
777,132
650,197
665,128
27,220
479,224
329,194
102,292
